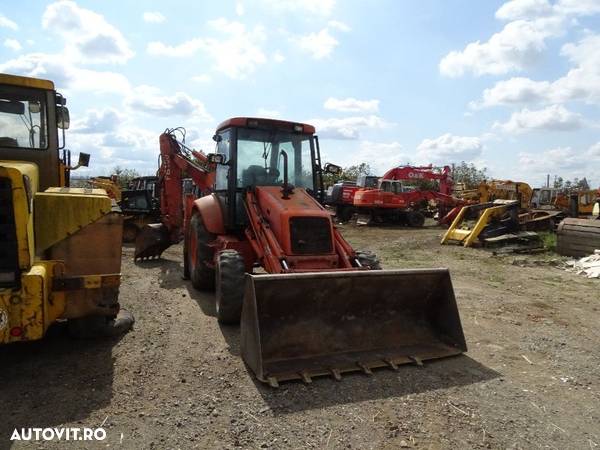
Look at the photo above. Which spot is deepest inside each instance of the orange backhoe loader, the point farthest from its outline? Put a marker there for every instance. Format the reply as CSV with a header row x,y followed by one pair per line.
x,y
323,308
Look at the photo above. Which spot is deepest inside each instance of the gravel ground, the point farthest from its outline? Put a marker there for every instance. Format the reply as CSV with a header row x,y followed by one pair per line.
x,y
531,378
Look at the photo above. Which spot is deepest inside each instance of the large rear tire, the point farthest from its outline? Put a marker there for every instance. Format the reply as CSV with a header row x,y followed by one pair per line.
x,y
368,259
198,255
415,219
230,286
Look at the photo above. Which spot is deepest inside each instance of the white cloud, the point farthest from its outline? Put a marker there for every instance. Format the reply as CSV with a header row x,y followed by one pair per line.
x,y
351,104
97,121
203,78
337,25
552,118
515,48
347,127
563,161
522,40
449,148
314,7
150,100
66,75
268,113
239,8
12,44
237,55
578,7
5,22
153,17
381,156
523,9
320,44
88,37
278,57
582,82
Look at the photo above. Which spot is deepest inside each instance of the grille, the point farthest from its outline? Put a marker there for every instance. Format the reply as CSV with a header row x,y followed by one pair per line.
x,y
9,263
310,235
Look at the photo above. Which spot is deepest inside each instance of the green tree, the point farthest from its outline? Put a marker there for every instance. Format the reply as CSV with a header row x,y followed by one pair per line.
x,y
124,176
468,174
350,173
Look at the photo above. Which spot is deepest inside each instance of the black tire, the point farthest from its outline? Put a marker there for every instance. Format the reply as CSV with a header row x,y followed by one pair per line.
x,y
202,276
368,259
415,219
230,286
100,326
130,232
344,213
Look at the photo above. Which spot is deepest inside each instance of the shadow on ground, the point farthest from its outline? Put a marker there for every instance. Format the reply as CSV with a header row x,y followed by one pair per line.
x,y
54,381
356,387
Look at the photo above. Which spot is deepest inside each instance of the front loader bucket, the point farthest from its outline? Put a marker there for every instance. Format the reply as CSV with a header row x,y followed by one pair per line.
x,y
151,241
298,326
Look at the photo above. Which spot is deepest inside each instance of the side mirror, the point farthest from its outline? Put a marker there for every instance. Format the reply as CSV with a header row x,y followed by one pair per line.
x,y
84,160
215,158
217,138
333,169
62,117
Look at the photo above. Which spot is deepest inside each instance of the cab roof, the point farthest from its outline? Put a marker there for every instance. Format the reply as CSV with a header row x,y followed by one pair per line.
x,y
17,80
257,122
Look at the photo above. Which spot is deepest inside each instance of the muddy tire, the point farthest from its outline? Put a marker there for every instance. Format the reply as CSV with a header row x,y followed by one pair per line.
x,y
344,213
368,259
229,286
415,219
130,232
100,326
202,276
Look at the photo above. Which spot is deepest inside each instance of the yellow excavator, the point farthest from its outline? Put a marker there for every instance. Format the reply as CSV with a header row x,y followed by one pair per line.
x,y
60,247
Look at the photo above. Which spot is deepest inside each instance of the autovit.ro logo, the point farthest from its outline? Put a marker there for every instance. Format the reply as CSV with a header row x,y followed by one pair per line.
x,y
58,434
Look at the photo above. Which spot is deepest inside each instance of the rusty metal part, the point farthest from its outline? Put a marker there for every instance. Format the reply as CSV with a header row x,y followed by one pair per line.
x,y
299,326
151,241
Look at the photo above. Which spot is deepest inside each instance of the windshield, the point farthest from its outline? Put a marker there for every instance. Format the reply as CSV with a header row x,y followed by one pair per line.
x,y
259,160
23,120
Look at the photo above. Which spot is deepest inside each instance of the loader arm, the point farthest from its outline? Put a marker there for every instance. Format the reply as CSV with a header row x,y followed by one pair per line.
x,y
176,162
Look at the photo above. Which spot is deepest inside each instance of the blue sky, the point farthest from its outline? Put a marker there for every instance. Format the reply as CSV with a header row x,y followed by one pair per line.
x,y
513,86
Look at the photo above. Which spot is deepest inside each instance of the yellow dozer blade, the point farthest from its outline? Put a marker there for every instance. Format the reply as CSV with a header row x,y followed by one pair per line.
x,y
298,326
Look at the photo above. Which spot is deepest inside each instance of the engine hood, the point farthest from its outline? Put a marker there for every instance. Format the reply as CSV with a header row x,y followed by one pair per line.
x,y
280,212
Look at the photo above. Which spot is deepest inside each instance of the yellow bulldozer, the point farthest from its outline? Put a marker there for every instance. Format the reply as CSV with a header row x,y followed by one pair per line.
x,y
60,247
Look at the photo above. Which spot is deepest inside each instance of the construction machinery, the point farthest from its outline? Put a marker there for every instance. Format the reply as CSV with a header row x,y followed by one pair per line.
x,y
322,308
109,184
60,252
140,204
341,195
492,224
396,202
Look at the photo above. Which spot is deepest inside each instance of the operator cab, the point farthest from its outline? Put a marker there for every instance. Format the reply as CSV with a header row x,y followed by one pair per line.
x,y
31,113
254,153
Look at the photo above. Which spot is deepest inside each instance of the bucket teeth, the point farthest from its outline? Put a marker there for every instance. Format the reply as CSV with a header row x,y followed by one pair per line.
x,y
306,377
273,382
418,361
366,369
391,363
335,373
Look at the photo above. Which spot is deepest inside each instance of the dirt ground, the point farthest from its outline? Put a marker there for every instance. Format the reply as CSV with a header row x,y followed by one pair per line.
x,y
531,377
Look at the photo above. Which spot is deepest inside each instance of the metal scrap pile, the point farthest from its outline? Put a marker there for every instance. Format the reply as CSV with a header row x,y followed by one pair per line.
x,y
588,265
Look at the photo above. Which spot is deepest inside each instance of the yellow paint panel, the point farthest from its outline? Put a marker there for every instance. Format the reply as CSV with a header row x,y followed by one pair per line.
x,y
26,81
23,206
61,212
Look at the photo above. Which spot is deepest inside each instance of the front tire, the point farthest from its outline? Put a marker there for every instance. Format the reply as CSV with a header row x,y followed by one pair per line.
x,y
368,259
199,255
229,286
415,219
